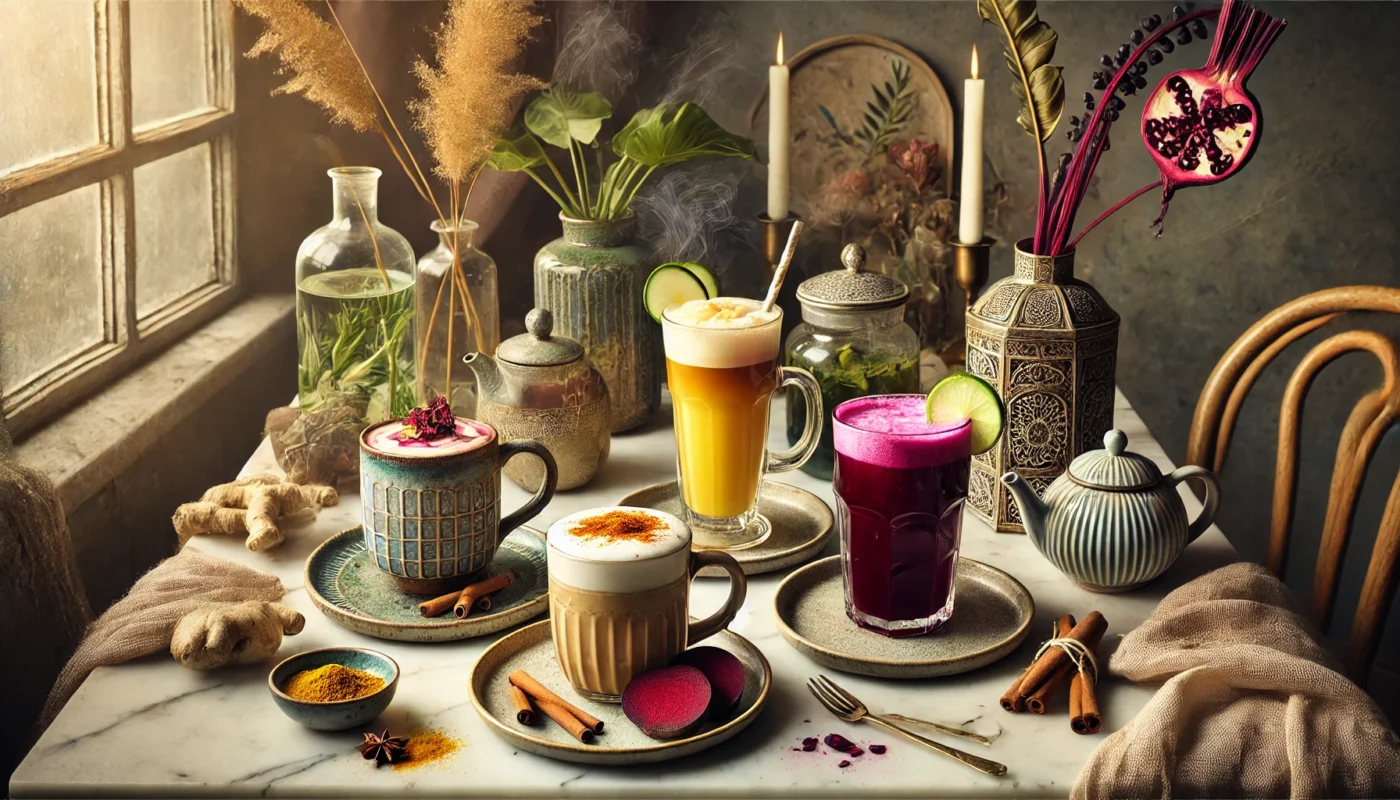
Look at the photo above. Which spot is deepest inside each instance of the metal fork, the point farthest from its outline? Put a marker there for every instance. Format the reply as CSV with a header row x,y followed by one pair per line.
x,y
845,706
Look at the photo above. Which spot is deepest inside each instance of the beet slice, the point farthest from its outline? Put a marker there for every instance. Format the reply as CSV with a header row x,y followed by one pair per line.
x,y
724,671
667,703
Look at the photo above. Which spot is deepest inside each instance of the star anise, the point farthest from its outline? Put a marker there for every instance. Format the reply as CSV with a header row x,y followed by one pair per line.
x,y
384,749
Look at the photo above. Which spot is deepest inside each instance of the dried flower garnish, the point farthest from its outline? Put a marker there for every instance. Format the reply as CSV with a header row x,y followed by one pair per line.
x,y
427,424
916,160
383,749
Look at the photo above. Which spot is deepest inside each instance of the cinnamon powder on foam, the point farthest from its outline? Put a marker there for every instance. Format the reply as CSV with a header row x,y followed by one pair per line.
x,y
620,526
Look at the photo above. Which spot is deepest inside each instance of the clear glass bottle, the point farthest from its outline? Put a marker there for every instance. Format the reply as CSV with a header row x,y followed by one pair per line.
x,y
854,341
471,319
355,309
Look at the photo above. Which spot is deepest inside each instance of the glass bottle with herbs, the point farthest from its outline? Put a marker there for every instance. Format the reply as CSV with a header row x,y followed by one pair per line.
x,y
854,340
355,310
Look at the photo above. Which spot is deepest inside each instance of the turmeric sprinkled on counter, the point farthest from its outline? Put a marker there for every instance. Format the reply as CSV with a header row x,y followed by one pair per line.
x,y
425,746
619,526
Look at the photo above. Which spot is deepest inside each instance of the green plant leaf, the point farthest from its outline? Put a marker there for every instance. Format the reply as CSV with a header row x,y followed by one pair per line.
x,y
671,133
560,117
1030,44
885,118
515,155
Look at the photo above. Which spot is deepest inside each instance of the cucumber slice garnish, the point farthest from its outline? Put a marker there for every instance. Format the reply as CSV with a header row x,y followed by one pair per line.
x,y
668,285
705,275
965,396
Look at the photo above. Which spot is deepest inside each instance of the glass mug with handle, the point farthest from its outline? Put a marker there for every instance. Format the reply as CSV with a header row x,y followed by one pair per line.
x,y
722,364
619,595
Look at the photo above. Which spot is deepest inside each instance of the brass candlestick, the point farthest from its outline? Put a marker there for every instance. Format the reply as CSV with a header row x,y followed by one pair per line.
x,y
775,236
970,266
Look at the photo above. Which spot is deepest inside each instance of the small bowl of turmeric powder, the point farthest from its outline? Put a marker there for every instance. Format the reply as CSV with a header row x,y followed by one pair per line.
x,y
334,688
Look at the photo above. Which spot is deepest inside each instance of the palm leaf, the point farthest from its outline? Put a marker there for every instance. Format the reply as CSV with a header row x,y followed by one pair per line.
x,y
1030,44
885,117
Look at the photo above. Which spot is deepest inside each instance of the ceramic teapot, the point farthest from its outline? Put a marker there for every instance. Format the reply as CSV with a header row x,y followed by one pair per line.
x,y
1113,521
541,387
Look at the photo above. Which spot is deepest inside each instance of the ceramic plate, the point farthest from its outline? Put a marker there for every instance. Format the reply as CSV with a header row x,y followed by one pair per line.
x,y
346,585
991,616
532,649
801,524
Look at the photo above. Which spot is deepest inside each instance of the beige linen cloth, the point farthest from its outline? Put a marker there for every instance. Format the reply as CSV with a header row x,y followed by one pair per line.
x,y
141,623
1252,705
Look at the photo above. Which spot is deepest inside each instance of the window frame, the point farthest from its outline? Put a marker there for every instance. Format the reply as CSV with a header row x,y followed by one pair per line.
x,y
110,164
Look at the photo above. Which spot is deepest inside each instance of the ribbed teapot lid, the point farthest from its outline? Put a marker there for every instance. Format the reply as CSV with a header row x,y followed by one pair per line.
x,y
537,348
1114,468
852,289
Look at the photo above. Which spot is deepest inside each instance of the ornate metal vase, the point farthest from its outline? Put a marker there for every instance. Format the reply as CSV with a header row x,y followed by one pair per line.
x,y
591,280
1049,344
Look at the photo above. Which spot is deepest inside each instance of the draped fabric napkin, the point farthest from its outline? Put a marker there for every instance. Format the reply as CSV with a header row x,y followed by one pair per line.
x,y
1252,705
142,622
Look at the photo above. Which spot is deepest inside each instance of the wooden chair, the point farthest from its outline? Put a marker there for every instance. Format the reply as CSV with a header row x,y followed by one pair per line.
x,y
1219,407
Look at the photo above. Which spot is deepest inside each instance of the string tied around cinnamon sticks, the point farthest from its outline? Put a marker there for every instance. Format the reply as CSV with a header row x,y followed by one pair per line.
x,y
1068,652
1078,652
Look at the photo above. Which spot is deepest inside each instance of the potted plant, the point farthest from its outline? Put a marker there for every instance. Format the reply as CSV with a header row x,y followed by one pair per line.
x,y
591,277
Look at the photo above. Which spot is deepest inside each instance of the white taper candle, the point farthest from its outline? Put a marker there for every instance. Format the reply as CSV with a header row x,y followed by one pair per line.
x,y
778,137
970,223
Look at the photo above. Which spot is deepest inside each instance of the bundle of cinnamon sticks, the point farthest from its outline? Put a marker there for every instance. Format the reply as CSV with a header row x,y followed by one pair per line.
x,y
526,693
1034,688
476,596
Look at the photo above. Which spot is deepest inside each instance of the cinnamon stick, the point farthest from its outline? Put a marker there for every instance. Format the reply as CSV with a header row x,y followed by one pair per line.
x,y
575,726
524,712
438,606
1091,626
1037,701
542,695
1084,706
479,590
483,604
1013,700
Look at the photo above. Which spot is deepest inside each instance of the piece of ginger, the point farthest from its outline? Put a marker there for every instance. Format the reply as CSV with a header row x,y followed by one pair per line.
x,y
217,634
251,506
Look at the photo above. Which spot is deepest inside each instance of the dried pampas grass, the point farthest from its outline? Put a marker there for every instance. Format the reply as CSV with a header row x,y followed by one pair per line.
x,y
470,95
318,60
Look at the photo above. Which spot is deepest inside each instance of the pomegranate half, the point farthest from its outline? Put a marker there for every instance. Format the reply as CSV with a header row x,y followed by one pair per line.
x,y
1202,125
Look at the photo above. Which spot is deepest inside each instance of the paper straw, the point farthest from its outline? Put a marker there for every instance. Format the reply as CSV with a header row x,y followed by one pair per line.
x,y
783,265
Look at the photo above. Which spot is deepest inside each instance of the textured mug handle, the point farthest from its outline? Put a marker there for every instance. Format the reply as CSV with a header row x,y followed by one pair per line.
x,y
738,590
542,497
1212,502
811,392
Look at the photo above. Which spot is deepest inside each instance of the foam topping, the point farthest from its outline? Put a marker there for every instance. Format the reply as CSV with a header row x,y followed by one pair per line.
x,y
723,332
894,431
618,549
383,438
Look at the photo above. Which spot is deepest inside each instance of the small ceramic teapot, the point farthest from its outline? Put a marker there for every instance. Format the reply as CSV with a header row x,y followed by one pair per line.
x,y
541,387
1113,521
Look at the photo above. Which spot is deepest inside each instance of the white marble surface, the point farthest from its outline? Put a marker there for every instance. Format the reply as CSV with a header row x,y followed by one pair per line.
x,y
151,728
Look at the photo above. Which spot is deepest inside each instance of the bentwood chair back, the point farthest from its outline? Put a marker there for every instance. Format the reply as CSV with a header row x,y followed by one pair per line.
x,y
1218,410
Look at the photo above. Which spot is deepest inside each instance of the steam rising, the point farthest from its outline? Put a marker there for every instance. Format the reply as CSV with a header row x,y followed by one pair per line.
x,y
698,72
600,53
688,215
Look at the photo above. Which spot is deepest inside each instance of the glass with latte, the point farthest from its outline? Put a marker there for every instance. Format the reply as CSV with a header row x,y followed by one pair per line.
x,y
722,367
619,595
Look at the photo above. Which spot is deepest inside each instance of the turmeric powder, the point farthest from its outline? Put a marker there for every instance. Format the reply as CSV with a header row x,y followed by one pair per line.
x,y
425,746
332,683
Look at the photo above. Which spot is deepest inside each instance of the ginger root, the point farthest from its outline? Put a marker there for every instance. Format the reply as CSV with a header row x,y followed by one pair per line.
x,y
251,506
217,634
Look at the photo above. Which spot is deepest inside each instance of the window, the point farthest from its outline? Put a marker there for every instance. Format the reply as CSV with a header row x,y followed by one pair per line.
x,y
116,189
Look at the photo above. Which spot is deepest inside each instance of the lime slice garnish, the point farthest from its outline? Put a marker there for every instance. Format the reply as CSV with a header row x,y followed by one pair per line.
x,y
668,285
965,396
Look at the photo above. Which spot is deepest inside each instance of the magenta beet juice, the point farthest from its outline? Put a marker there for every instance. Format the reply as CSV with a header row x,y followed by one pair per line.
x,y
900,484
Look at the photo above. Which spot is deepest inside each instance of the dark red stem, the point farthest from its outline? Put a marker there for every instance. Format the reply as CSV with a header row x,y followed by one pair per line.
x,y
1059,216
1105,215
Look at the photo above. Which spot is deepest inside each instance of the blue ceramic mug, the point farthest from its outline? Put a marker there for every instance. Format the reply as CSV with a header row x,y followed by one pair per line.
x,y
432,509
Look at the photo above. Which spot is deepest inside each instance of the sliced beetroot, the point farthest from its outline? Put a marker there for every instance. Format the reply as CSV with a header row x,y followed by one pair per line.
x,y
667,703
724,671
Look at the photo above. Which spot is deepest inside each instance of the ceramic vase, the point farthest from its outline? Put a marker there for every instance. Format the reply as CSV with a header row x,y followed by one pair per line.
x,y
591,279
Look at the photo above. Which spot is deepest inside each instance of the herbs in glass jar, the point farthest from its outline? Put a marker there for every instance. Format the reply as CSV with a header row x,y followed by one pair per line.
x,y
845,374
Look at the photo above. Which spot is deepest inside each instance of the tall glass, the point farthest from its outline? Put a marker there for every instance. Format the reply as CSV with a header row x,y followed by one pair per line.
x,y
900,483
722,365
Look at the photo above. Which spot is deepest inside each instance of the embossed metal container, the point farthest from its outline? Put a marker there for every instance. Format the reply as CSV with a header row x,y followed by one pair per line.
x,y
1049,344
591,279
1113,521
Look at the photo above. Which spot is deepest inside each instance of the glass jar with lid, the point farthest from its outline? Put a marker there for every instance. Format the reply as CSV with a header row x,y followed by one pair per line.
x,y
854,340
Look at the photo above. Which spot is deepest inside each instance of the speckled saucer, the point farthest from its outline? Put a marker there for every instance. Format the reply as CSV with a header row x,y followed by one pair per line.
x,y
621,744
801,523
991,615
346,585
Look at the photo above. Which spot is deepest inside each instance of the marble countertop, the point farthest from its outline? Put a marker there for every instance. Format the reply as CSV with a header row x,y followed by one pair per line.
x,y
151,728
